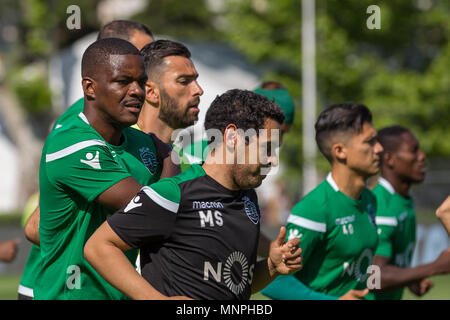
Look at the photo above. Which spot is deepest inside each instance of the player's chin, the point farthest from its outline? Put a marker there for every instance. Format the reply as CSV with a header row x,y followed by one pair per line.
x,y
129,120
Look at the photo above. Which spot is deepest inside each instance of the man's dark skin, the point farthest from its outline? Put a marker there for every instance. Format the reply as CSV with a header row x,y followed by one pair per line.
x,y
403,166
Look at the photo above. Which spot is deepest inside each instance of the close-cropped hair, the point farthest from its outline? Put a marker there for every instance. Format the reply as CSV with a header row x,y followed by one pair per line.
x,y
97,54
243,108
155,52
122,29
340,118
391,137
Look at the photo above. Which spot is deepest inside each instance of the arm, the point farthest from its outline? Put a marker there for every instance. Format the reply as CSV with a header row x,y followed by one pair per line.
x,y
114,197
120,194
284,258
443,214
8,250
104,251
393,277
167,157
171,168
32,227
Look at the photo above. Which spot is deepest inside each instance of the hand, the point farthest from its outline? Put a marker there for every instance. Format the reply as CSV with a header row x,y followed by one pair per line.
x,y
419,288
355,295
8,250
443,214
162,149
442,263
284,257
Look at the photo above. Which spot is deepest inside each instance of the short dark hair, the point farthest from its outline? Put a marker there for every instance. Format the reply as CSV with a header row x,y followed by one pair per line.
x,y
155,52
98,53
390,137
122,29
343,117
244,108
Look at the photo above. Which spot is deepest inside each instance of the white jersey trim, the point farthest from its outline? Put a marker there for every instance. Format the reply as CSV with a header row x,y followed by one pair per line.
x,y
25,291
332,183
386,221
306,223
83,117
163,202
386,184
72,149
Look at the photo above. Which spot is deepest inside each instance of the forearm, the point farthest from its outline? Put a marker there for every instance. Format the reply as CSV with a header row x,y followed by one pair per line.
x,y
112,264
170,169
263,275
393,277
32,227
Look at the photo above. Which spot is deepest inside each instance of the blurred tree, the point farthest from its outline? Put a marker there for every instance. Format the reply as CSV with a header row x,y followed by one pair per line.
x,y
26,106
187,19
400,71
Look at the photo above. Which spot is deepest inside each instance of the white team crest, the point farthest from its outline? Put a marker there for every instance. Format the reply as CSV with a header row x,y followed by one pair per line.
x,y
92,161
133,204
149,159
250,210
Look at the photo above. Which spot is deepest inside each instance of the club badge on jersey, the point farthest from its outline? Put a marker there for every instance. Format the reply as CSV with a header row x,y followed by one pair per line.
x,y
149,159
250,210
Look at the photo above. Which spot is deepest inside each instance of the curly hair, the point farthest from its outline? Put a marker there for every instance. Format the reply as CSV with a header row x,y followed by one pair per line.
x,y
243,108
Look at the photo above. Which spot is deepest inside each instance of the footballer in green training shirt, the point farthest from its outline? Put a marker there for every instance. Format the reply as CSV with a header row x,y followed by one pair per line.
x,y
336,221
87,169
402,165
138,35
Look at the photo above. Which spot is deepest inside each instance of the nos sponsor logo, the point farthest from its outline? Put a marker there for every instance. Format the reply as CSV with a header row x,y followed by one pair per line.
x,y
224,274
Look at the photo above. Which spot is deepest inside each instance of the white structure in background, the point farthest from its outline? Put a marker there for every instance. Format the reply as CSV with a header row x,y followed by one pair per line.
x,y
9,173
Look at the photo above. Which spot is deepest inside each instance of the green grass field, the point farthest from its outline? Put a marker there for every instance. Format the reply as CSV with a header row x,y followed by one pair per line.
x,y
441,290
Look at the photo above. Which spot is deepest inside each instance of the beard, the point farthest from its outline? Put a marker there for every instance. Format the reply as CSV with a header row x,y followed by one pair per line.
x,y
171,113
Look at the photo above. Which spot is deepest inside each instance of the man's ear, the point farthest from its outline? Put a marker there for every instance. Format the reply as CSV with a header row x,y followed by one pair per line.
x,y
152,92
339,151
89,85
388,159
230,136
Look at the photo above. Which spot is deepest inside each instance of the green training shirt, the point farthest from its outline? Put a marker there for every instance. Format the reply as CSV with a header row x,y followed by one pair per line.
x,y
77,165
34,258
396,222
338,237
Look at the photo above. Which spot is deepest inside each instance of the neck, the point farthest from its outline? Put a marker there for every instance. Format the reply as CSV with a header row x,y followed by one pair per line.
x,y
349,182
400,186
97,120
150,122
219,172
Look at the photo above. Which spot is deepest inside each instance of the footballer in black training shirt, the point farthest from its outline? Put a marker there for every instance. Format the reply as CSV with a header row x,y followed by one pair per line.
x,y
198,232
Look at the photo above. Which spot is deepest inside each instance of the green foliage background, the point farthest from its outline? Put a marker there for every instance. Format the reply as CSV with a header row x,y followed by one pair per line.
x,y
401,72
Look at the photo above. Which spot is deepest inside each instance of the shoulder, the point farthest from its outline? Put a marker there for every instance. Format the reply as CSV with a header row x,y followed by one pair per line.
x,y
315,202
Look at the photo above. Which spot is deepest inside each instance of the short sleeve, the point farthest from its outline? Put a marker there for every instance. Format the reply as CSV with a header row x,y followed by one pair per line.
x,y
87,167
149,217
386,226
307,221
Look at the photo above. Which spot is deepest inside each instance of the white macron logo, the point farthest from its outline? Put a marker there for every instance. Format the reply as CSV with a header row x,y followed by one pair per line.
x,y
133,204
92,161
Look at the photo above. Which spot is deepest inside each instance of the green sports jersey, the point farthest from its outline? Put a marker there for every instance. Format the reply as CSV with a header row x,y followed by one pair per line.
x,y
396,222
70,114
34,258
338,238
77,165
